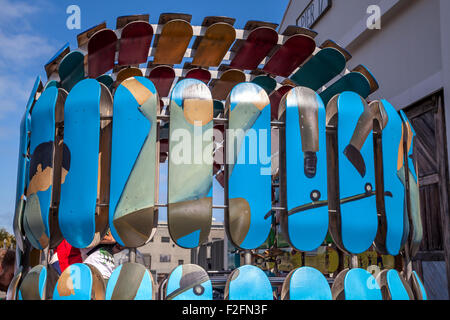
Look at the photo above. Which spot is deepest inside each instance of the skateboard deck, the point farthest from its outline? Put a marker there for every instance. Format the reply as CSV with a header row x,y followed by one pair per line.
x,y
412,193
354,223
130,281
360,81
80,282
51,67
305,283
135,43
122,21
394,286
275,98
172,42
248,283
266,82
417,287
133,216
213,46
83,38
189,212
200,74
163,78
355,284
303,156
13,287
290,55
255,48
222,86
107,80
43,185
101,52
189,282
23,164
126,73
249,184
71,70
79,223
390,173
33,284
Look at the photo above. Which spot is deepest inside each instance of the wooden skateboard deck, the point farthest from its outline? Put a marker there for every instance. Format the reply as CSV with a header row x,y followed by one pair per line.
x,y
51,67
71,70
45,167
394,286
353,218
303,157
23,164
83,38
33,284
81,224
122,21
172,42
290,55
412,193
222,86
80,282
355,284
360,81
190,163
305,283
130,281
248,283
275,98
200,74
135,43
249,181
189,282
213,46
163,78
266,82
133,216
417,287
255,48
101,52
126,73
390,186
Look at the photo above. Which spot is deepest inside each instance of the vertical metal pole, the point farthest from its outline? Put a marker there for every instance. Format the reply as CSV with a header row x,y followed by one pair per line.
x,y
132,255
247,257
354,261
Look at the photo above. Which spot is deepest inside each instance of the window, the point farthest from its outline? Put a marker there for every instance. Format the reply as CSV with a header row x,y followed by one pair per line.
x,y
180,262
164,258
165,239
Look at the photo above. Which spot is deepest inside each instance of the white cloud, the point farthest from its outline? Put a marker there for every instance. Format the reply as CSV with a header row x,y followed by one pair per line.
x,y
14,93
13,10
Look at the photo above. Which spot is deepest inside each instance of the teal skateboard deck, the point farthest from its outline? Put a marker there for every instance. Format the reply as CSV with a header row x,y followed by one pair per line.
x,y
417,286
189,282
353,212
390,177
266,82
43,186
248,168
79,223
71,70
303,158
23,165
51,67
133,216
107,80
394,286
356,284
80,282
190,163
130,281
305,283
33,284
412,193
248,283
101,52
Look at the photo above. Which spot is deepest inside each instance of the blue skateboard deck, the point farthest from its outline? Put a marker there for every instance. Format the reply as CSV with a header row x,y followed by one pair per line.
x,y
394,286
43,187
80,282
79,223
133,216
390,186
355,284
189,282
190,163
33,284
417,287
248,283
305,283
353,212
304,159
248,166
412,193
23,165
71,70
130,281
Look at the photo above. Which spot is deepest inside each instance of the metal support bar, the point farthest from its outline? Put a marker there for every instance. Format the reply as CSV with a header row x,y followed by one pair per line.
x,y
132,255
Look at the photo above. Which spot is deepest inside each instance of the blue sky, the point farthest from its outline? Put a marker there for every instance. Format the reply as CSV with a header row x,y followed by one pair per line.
x,y
32,31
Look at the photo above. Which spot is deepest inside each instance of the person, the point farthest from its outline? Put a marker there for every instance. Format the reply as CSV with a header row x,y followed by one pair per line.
x,y
7,260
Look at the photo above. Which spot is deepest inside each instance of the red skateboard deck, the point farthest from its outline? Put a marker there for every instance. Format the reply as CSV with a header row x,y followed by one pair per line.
x,y
199,74
122,21
276,97
162,77
135,43
101,52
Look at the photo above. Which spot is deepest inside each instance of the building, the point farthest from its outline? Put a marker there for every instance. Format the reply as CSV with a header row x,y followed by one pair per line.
x,y
406,45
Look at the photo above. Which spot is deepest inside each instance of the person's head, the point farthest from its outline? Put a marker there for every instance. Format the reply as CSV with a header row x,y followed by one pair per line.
x,y
7,259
